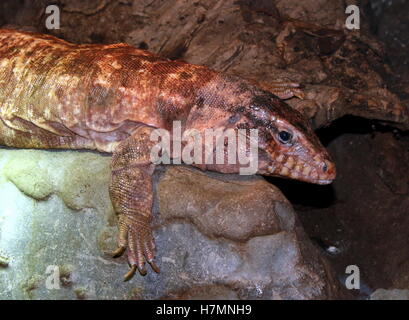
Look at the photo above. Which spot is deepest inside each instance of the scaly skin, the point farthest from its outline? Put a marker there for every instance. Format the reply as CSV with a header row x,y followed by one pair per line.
x,y
54,94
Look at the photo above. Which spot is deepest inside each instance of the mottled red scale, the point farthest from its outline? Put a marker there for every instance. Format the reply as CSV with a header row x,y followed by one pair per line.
x,y
95,90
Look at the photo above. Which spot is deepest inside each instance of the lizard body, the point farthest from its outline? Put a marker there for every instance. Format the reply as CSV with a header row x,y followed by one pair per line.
x,y
109,98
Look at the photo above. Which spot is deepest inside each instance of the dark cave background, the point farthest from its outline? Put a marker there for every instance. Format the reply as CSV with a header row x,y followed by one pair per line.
x,y
363,217
368,218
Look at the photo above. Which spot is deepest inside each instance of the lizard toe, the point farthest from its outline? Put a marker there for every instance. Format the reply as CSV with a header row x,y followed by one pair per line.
x,y
135,253
129,275
135,237
150,254
154,266
118,252
122,238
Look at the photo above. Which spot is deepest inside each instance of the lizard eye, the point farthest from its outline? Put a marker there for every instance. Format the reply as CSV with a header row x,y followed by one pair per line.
x,y
284,137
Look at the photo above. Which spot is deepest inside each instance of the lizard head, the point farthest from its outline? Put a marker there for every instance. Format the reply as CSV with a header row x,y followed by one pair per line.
x,y
287,144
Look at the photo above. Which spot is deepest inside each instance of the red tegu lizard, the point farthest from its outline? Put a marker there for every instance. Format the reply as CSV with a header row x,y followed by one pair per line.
x,y
109,98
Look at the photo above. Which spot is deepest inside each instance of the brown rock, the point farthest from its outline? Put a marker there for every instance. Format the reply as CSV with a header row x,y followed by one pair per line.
x,y
236,208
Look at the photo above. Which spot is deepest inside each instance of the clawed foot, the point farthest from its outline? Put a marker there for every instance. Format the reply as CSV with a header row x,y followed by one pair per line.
x,y
135,234
284,90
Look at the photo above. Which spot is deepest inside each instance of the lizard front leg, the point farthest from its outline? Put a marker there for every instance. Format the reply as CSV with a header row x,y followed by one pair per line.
x,y
132,197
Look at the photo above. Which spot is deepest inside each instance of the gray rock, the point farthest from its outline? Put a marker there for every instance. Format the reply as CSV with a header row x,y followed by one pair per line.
x,y
218,236
390,294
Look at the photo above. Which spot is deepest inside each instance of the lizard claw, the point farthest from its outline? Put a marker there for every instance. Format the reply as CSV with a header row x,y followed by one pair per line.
x,y
118,252
135,235
154,266
129,275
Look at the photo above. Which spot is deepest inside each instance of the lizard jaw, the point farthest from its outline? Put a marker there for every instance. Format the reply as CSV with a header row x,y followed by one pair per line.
x,y
324,182
304,172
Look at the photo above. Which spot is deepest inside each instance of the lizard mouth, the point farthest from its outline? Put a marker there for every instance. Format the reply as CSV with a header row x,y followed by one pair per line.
x,y
322,174
324,181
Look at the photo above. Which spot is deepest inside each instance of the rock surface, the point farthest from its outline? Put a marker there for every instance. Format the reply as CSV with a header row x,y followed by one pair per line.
x,y
390,294
219,236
